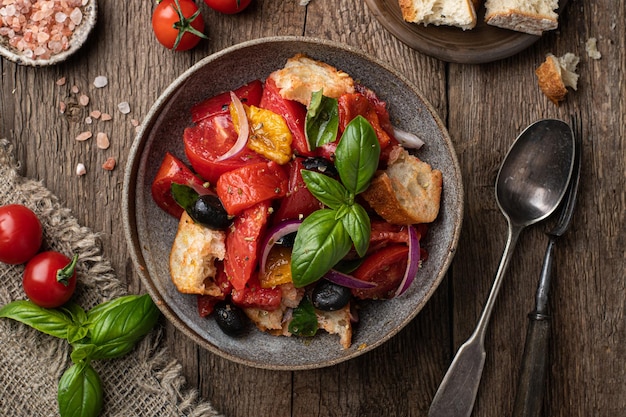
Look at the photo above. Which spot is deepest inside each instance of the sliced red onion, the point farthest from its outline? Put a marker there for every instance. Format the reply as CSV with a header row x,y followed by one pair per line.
x,y
244,129
408,140
274,235
412,262
348,281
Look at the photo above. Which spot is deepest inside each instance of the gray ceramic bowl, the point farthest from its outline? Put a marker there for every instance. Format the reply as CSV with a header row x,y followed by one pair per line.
x,y
150,232
79,37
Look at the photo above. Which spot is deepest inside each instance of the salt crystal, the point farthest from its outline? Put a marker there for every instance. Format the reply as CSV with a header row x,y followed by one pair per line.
x,y
80,169
83,100
134,122
75,89
124,107
95,114
109,164
106,116
102,140
83,136
62,107
60,17
61,81
100,81
76,16
88,120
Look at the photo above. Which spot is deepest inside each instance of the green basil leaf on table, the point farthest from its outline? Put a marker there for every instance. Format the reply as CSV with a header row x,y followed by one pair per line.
x,y
322,120
83,352
80,392
357,224
320,243
326,189
54,322
357,155
304,320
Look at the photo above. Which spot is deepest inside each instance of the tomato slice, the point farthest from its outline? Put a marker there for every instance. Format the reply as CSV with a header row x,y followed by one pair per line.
x,y
252,295
249,94
385,267
242,241
172,170
244,187
355,104
298,202
293,112
211,138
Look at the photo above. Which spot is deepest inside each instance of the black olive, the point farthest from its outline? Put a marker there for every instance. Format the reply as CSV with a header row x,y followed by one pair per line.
x,y
321,165
329,296
287,240
209,211
230,318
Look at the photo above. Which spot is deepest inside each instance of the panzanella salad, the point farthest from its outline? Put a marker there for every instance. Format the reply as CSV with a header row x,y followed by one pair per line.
x,y
300,199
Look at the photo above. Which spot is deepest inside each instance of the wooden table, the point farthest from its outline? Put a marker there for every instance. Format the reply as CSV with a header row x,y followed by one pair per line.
x,y
484,107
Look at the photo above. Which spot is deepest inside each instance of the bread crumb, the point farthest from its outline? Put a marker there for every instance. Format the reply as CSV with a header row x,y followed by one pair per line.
x,y
592,49
555,74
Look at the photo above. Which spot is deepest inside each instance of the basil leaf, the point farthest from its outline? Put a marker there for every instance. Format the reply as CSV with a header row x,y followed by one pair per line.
x,y
322,120
304,320
82,352
94,314
320,243
117,328
184,195
79,317
357,224
80,392
326,189
357,155
57,323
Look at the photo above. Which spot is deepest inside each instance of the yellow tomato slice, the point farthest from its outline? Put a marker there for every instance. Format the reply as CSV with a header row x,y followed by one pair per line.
x,y
277,268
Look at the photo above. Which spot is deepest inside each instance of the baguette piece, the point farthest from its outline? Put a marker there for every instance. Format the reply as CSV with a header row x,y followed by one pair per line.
x,y
528,16
193,255
407,192
459,13
556,74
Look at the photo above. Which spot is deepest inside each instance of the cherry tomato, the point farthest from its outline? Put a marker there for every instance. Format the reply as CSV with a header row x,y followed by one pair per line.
x,y
172,170
50,279
385,267
228,6
244,187
208,140
178,24
20,234
249,94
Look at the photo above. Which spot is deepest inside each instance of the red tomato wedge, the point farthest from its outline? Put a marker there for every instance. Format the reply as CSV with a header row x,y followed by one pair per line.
x,y
244,187
298,202
385,267
249,94
293,112
211,138
172,170
355,104
242,241
252,295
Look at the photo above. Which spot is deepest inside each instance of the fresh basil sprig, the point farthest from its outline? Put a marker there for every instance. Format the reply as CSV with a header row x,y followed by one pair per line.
x,y
327,235
109,330
322,120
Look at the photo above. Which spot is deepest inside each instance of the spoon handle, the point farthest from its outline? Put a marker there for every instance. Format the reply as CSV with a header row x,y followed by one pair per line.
x,y
457,392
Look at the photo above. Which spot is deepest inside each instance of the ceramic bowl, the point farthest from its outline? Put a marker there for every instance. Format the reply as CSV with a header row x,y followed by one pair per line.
x,y
150,231
76,41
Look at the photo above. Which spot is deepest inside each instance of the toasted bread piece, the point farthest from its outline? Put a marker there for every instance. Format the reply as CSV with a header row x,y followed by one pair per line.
x,y
301,76
193,255
407,192
277,322
556,74
459,13
337,322
529,16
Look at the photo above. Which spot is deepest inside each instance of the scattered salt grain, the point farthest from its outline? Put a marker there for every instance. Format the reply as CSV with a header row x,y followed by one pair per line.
x,y
62,107
84,136
88,120
134,122
106,116
109,164
100,81
124,107
102,140
83,100
75,89
95,114
80,169
61,81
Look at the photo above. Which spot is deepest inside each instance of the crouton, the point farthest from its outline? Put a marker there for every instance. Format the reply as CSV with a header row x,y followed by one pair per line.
x,y
276,322
337,322
302,76
556,74
407,192
193,255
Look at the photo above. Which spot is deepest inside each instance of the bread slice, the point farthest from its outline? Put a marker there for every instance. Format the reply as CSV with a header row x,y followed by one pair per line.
x,y
529,16
337,322
459,13
301,76
556,74
407,192
193,255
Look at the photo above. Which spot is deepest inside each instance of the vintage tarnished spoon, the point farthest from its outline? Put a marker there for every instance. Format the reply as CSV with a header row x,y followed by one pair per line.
x,y
530,185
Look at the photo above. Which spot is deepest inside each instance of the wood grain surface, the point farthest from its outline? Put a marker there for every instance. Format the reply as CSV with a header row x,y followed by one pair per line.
x,y
484,107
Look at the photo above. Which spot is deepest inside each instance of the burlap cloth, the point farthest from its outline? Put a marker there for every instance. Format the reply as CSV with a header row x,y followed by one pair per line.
x,y
145,382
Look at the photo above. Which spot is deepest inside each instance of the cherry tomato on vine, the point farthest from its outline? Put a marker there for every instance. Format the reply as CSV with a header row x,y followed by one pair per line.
x,y
50,279
178,24
228,6
20,234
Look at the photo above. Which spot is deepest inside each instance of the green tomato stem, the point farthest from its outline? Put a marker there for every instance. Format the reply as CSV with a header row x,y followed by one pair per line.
x,y
64,274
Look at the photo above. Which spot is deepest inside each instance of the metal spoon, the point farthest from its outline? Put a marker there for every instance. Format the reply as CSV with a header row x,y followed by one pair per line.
x,y
530,185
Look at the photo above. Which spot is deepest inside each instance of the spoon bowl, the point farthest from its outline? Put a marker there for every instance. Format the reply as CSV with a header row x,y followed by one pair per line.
x,y
531,182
